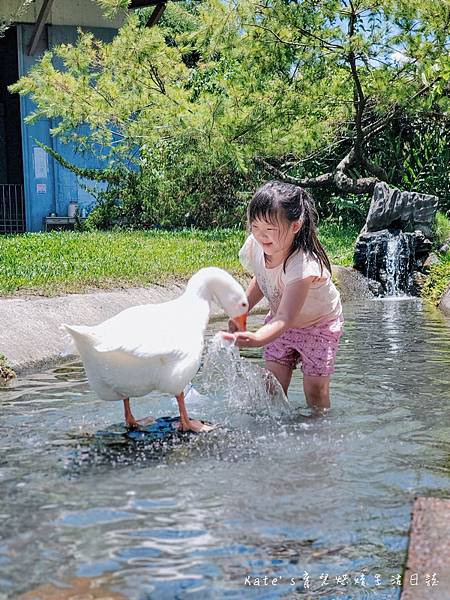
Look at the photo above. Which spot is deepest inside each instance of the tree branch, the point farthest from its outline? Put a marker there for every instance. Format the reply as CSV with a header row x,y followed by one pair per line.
x,y
322,181
337,179
276,36
359,98
371,130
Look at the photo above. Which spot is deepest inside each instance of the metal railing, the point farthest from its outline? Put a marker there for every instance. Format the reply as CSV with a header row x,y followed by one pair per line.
x,y
12,208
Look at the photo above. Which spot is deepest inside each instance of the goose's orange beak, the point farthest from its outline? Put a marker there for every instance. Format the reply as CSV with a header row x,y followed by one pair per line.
x,y
241,322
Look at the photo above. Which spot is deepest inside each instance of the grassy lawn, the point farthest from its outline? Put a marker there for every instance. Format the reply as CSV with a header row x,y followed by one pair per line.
x,y
70,262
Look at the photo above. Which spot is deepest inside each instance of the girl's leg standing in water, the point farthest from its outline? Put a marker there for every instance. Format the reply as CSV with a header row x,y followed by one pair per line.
x,y
317,391
316,388
282,372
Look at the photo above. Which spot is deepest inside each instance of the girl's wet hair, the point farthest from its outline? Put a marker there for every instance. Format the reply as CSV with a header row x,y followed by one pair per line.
x,y
277,200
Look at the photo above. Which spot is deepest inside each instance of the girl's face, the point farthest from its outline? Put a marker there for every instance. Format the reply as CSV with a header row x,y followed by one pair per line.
x,y
275,237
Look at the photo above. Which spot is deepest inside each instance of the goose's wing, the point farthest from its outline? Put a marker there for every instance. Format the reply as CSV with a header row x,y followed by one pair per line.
x,y
149,332
139,347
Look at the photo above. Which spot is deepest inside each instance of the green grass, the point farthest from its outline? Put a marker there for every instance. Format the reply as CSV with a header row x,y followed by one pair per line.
x,y
70,262
339,242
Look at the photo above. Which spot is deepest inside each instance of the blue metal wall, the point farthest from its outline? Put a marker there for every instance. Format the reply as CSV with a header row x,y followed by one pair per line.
x,y
49,187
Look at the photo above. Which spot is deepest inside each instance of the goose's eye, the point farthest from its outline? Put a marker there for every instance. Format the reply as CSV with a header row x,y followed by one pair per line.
x,y
244,304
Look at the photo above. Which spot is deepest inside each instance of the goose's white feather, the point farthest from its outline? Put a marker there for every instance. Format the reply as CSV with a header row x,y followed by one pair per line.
x,y
155,346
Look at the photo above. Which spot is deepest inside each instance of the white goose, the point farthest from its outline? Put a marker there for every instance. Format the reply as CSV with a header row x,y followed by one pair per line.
x,y
157,346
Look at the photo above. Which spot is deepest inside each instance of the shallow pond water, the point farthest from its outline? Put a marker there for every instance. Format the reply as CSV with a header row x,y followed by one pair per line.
x,y
323,505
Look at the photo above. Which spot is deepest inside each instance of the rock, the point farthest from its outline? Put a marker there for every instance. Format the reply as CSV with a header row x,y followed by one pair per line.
x,y
393,209
373,244
418,281
394,241
432,259
445,246
444,304
350,283
422,245
375,287
427,569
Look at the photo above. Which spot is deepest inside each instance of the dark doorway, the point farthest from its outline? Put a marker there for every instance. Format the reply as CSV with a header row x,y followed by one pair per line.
x,y
12,209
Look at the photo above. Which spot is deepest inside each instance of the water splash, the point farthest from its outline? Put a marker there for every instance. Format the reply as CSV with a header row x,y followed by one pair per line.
x,y
246,387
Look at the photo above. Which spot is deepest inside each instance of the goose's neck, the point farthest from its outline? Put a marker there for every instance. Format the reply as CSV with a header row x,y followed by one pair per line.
x,y
202,298
201,289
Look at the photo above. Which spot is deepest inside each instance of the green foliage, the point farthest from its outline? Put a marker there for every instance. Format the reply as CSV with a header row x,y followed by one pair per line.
x,y
112,7
195,100
173,195
438,278
110,174
417,153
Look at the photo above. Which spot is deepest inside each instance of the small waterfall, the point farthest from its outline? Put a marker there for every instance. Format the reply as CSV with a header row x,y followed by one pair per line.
x,y
387,259
392,247
397,261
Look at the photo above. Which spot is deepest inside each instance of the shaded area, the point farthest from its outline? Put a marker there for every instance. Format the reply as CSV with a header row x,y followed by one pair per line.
x,y
12,207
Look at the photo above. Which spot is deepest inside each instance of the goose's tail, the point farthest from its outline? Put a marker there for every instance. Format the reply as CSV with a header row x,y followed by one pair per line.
x,y
81,338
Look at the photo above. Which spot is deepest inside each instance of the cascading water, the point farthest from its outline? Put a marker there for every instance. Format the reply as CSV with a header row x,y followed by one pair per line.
x,y
398,259
387,259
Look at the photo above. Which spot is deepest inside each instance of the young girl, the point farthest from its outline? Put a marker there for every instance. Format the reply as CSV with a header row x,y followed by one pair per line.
x,y
292,270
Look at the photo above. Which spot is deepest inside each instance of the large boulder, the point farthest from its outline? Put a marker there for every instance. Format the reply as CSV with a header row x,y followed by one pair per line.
x,y
393,209
444,304
350,283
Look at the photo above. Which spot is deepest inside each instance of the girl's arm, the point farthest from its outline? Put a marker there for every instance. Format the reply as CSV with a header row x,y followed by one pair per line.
x,y
293,298
254,295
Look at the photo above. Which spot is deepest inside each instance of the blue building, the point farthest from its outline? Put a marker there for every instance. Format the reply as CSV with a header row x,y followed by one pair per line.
x,y
32,184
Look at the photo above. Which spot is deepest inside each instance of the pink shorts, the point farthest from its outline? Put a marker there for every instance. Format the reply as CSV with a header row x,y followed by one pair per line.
x,y
315,347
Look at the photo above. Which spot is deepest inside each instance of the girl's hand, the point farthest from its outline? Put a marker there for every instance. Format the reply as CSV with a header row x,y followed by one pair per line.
x,y
246,339
232,327
243,339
